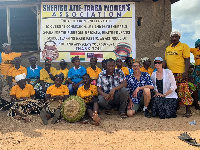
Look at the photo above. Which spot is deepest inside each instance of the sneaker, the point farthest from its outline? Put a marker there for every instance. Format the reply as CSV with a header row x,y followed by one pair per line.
x,y
56,116
147,114
43,116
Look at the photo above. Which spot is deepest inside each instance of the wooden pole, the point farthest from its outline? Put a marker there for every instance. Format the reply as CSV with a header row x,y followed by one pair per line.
x,y
8,24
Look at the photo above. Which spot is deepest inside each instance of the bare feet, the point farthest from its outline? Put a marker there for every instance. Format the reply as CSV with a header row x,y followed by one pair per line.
x,y
17,117
26,119
96,117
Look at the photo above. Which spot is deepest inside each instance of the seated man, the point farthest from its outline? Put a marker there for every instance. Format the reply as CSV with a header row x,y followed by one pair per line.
x,y
139,84
16,70
111,88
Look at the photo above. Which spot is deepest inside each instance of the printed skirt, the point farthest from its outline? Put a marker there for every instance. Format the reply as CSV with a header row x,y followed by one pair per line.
x,y
183,90
164,107
26,107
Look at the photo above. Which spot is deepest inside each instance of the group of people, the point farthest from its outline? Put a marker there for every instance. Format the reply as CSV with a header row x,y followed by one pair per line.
x,y
130,89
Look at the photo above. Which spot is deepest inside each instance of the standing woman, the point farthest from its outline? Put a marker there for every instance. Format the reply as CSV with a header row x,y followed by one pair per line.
x,y
8,57
33,72
196,73
165,100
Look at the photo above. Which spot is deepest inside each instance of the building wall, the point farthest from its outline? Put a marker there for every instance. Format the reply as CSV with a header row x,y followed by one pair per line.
x,y
155,26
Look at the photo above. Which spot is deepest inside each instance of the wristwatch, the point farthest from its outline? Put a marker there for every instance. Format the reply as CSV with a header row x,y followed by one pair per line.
x,y
165,94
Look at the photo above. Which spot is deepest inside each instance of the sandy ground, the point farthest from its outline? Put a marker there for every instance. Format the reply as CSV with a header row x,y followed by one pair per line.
x,y
113,133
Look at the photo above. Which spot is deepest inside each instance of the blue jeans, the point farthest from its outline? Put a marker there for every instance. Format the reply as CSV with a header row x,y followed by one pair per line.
x,y
72,90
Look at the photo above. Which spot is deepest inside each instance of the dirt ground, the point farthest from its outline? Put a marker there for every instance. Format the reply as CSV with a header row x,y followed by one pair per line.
x,y
113,133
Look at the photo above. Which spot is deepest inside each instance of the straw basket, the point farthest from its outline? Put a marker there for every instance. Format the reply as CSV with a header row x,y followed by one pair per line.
x,y
73,109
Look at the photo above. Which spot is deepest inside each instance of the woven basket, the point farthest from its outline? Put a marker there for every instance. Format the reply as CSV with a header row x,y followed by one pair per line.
x,y
73,109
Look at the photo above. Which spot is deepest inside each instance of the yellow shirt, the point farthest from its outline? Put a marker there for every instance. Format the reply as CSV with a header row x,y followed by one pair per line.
x,y
14,72
7,57
125,70
65,72
196,53
28,91
149,71
84,93
174,57
45,76
57,91
94,74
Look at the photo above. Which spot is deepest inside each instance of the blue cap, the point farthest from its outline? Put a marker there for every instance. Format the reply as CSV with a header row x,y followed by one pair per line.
x,y
158,58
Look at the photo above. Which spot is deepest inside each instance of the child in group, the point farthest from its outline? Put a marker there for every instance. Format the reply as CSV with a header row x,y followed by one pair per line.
x,y
89,93
119,64
93,70
55,95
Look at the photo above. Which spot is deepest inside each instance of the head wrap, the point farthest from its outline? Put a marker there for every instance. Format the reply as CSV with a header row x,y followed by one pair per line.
x,y
197,43
20,77
60,76
175,32
144,59
158,58
32,57
5,44
75,58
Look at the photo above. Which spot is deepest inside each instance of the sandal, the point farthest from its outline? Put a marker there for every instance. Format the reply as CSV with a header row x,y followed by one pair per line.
x,y
187,115
85,121
186,138
92,122
107,112
123,115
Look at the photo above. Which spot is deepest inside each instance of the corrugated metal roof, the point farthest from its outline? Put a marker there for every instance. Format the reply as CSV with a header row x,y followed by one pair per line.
x,y
172,1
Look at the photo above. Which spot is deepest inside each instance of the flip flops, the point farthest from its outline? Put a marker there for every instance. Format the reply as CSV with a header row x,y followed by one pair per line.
x,y
188,139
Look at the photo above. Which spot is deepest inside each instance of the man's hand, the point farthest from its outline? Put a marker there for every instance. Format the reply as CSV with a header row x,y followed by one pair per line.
x,y
135,92
75,86
185,75
106,96
112,92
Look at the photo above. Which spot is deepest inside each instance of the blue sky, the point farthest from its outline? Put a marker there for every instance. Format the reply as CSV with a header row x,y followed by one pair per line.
x,y
186,20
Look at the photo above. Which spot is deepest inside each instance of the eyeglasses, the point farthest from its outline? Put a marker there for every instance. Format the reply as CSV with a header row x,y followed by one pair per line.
x,y
136,65
157,62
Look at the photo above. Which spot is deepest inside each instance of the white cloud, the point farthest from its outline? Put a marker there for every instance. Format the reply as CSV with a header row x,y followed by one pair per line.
x,y
186,17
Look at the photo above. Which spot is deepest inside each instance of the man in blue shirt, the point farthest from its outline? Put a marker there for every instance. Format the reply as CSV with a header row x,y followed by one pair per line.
x,y
139,84
75,75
